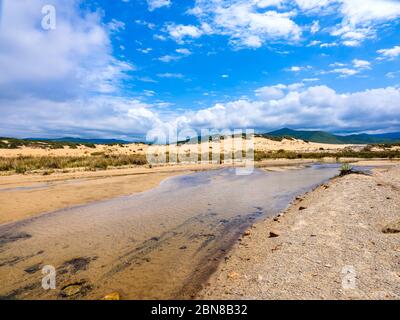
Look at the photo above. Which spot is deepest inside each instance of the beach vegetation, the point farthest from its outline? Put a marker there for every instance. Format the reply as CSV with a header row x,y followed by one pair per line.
x,y
346,169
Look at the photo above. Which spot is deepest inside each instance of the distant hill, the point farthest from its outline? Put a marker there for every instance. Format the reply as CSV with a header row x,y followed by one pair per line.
x,y
13,143
325,137
80,140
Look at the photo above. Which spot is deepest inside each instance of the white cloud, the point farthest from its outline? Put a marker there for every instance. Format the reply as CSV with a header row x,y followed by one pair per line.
x,y
315,27
295,69
361,64
170,75
318,106
168,58
156,4
251,24
345,70
393,74
144,50
180,32
310,79
368,12
62,80
159,37
58,64
184,51
149,93
328,45
337,64
101,116
116,25
271,92
298,68
315,6
149,25
390,54
352,36
362,19
244,23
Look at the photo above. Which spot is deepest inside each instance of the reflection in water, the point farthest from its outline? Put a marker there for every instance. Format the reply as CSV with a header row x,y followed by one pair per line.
x,y
158,244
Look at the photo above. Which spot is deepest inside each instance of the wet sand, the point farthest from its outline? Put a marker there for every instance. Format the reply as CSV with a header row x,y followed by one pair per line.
x,y
340,241
24,196
28,195
159,244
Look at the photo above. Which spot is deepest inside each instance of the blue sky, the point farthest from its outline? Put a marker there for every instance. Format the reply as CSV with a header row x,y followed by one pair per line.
x,y
121,68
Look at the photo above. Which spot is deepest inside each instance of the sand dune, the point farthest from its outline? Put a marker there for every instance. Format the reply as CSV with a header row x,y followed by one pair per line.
x,y
260,144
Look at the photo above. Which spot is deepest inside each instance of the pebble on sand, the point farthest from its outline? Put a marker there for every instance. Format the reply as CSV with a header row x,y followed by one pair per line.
x,y
233,275
273,234
112,296
392,227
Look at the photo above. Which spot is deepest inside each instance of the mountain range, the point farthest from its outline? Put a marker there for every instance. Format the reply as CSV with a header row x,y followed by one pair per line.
x,y
325,137
307,135
80,140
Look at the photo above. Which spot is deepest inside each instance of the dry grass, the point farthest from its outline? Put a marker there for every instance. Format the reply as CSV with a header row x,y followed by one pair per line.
x,y
364,154
102,160
24,164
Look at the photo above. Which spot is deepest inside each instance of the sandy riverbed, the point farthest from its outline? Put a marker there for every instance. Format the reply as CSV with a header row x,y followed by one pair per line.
x,y
24,196
330,245
160,244
306,260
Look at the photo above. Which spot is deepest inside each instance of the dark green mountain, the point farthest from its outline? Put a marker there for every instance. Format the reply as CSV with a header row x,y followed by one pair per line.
x,y
325,137
83,141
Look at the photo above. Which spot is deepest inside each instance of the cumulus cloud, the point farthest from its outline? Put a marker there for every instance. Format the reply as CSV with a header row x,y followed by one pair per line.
x,y
184,51
315,27
116,25
59,79
298,68
314,6
390,53
244,23
345,70
60,63
295,106
312,107
156,4
181,32
101,116
361,64
251,24
362,18
271,92
67,80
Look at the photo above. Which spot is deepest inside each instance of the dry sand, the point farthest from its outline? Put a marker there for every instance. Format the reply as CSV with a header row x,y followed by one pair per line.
x,y
260,144
329,245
